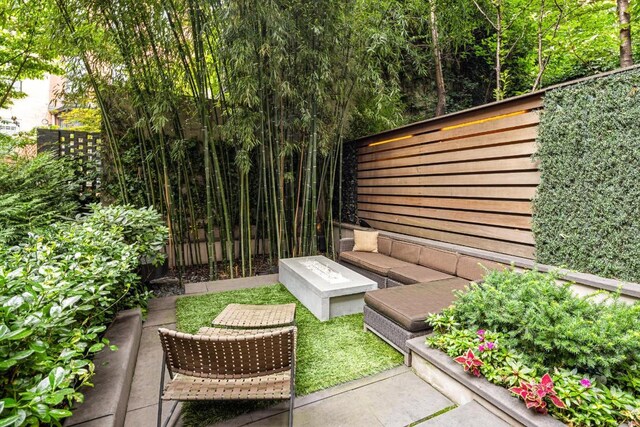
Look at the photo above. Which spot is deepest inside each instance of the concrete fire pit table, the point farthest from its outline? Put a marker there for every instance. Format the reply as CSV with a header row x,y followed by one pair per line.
x,y
325,287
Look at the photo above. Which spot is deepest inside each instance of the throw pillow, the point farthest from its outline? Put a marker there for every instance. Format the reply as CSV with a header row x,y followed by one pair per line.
x,y
365,241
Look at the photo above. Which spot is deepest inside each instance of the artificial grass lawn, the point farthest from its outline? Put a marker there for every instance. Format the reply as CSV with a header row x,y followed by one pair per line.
x,y
329,353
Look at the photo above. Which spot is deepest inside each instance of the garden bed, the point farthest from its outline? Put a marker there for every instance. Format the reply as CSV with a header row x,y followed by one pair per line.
x,y
328,353
570,356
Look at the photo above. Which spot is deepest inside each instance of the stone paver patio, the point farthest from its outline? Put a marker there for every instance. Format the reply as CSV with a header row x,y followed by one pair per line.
x,y
396,397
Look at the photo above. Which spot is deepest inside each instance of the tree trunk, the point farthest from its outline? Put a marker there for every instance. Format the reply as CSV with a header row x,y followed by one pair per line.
x,y
499,94
626,58
441,106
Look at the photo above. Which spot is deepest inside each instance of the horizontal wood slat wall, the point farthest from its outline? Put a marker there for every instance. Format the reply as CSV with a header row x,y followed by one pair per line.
x,y
467,179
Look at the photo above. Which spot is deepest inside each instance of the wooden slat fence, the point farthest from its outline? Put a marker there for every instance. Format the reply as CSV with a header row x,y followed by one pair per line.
x,y
467,178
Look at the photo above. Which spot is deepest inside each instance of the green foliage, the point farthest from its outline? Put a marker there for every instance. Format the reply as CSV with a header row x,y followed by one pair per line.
x,y
34,192
553,326
586,212
328,353
28,47
82,119
58,291
594,402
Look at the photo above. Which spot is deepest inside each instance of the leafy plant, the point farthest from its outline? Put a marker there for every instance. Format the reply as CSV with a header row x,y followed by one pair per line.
x,y
58,291
550,324
586,212
34,192
470,362
534,394
586,349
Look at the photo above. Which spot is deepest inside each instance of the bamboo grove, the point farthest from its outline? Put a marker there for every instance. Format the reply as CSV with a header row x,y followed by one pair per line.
x,y
229,116
232,115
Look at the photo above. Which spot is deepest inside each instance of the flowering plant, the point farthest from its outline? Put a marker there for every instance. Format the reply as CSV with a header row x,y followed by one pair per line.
x,y
534,394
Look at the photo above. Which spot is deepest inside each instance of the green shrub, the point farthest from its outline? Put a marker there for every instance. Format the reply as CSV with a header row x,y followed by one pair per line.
x,y
589,401
34,192
551,325
586,212
58,291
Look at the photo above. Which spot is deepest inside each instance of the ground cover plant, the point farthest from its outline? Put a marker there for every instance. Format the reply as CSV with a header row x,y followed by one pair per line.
x,y
574,357
58,291
328,353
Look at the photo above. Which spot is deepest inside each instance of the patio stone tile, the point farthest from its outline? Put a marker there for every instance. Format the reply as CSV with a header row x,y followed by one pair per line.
x,y
195,288
333,416
395,401
242,283
109,420
160,317
146,379
148,415
163,303
460,417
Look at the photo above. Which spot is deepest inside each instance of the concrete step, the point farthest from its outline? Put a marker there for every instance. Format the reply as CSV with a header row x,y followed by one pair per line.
x,y
105,404
471,413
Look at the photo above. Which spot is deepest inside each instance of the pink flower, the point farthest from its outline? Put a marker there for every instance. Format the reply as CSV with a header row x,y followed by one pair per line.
x,y
585,383
481,334
481,347
490,345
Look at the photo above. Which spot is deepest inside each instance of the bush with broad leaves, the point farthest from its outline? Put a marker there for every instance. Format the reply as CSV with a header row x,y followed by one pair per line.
x,y
58,291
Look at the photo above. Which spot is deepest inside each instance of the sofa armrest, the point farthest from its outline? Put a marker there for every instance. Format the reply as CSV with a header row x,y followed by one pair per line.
x,y
346,244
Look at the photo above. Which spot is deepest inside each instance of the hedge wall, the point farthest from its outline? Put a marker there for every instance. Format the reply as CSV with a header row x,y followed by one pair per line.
x,y
587,210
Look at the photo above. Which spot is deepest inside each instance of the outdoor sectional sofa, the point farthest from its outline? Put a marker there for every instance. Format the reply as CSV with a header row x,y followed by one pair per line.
x,y
414,280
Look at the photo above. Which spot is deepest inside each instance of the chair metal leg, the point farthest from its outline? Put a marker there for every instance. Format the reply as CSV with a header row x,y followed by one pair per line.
x,y
292,389
173,407
162,368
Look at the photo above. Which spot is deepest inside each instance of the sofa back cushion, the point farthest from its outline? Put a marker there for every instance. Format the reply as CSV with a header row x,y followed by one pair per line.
x,y
405,251
470,269
384,245
440,260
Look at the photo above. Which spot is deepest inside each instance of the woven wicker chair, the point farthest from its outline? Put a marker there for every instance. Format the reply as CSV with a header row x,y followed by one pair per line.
x,y
228,364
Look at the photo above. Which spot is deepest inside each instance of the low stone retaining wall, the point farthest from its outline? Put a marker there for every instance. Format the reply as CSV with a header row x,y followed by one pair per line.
x,y
105,404
445,375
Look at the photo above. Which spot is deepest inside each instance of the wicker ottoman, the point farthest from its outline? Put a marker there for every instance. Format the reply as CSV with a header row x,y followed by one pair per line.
x,y
398,314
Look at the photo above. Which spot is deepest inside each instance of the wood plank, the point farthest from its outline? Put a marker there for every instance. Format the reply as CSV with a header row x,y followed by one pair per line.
x,y
505,137
491,232
518,193
500,220
502,151
513,178
476,113
501,165
492,126
524,251
506,206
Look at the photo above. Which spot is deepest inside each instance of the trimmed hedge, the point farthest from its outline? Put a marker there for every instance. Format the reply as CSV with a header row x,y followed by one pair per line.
x,y
587,210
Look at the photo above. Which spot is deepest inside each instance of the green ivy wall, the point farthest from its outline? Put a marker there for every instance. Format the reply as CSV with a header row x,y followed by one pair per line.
x,y
587,208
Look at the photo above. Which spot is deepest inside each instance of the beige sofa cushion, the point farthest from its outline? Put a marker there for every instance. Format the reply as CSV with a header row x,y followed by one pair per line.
x,y
438,259
405,251
409,306
470,267
365,241
375,262
384,245
416,274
